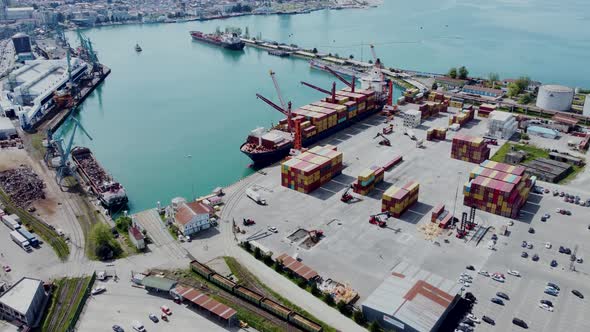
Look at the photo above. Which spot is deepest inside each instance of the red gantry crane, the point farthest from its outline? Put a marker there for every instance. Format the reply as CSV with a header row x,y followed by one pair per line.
x,y
342,79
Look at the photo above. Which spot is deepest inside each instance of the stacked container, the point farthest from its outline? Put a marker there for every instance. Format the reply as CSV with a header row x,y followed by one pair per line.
x,y
469,148
397,200
498,188
485,110
367,180
436,134
466,115
456,102
435,96
311,169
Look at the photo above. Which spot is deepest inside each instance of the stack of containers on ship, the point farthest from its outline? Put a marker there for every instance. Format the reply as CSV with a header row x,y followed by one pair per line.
x,y
498,188
397,200
311,169
436,134
465,115
470,149
367,180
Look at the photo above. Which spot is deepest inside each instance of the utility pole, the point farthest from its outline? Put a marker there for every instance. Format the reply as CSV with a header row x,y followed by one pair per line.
x,y
190,172
456,194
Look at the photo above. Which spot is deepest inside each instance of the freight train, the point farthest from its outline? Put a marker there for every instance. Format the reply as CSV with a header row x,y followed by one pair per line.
x,y
257,299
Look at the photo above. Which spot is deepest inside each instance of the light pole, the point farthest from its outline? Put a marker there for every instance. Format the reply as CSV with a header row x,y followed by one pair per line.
x,y
190,169
456,194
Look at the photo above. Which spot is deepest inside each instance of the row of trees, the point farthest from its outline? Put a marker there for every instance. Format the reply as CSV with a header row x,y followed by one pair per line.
x,y
461,73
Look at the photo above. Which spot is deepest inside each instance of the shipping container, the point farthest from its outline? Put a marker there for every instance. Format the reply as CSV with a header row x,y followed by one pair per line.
x,y
201,269
12,221
393,162
222,282
469,148
248,295
304,323
20,240
33,241
397,200
276,308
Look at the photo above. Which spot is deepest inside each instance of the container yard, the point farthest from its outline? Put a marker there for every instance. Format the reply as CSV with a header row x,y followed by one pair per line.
x,y
311,169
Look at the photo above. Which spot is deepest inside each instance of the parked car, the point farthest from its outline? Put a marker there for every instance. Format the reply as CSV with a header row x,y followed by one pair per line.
x,y
535,257
483,273
98,290
7,268
502,295
524,244
554,263
520,322
552,285
497,301
561,249
472,318
551,291
577,293
138,326
580,260
166,310
546,307
468,322
548,245
488,320
547,302
117,328
514,273
498,279
470,267
153,318
567,251
524,254
531,230
530,246
273,229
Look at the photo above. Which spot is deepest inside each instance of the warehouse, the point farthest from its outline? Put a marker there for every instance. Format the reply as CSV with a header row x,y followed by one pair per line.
x,y
204,302
299,269
482,91
564,122
542,131
566,158
548,170
555,97
158,284
25,302
411,299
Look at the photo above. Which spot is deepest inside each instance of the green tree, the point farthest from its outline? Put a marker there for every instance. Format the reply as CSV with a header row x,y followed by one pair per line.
x,y
463,72
343,308
375,327
513,89
268,260
301,283
257,253
104,243
314,289
351,57
493,78
278,266
452,73
358,317
123,223
328,299
248,246
525,99
523,82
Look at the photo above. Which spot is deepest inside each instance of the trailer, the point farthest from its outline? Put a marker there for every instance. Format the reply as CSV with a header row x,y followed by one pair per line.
x,y
255,196
30,237
20,240
12,221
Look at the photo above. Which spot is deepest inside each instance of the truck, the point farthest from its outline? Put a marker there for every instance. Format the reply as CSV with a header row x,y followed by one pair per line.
x,y
30,237
20,240
254,195
12,221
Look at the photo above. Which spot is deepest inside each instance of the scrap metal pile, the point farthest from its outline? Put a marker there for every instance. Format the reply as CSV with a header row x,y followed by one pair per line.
x,y
22,185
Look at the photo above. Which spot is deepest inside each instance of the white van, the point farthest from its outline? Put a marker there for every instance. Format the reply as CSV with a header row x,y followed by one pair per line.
x,y
138,326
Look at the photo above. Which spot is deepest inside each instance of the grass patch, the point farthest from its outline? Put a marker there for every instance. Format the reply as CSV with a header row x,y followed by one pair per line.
x,y
533,152
236,268
48,235
37,143
66,304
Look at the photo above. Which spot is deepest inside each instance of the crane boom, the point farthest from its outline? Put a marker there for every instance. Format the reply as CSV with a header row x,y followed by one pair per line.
x,y
273,105
332,92
342,79
279,94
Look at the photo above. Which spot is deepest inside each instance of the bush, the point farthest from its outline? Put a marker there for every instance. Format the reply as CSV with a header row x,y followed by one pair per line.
x,y
105,245
343,308
315,290
248,246
358,317
278,266
375,327
123,223
329,299
301,283
268,260
257,253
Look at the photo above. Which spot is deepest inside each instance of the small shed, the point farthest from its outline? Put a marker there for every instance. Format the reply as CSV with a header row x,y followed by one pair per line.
x,y
158,284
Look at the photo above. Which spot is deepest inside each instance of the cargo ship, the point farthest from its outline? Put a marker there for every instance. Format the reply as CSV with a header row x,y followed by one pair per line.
x,y
318,120
230,41
111,194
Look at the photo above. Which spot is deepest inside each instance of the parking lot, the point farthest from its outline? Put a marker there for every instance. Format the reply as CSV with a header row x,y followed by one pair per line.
x,y
122,304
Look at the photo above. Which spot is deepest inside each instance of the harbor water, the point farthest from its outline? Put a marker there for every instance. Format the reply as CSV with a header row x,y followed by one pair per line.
x,y
180,98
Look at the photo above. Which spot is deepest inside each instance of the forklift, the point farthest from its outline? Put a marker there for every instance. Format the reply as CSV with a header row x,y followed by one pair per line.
x,y
376,219
346,197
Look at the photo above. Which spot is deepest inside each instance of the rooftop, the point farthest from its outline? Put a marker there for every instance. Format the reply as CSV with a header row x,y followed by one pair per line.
x,y
186,212
414,296
557,88
160,283
134,231
482,88
21,295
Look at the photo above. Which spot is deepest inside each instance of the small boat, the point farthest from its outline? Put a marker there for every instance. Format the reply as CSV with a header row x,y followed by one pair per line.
x,y
137,48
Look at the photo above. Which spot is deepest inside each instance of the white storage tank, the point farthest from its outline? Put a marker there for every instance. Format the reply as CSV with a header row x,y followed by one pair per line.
x,y
555,97
587,105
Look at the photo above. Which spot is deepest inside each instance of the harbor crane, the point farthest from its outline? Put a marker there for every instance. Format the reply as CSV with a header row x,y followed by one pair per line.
x,y
376,61
294,126
385,141
63,152
351,85
331,93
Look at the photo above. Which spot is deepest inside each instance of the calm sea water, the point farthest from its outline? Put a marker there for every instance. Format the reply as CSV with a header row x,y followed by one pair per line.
x,y
180,97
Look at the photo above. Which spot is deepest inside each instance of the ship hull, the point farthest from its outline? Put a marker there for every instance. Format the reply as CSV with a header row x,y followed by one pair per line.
x,y
261,159
234,47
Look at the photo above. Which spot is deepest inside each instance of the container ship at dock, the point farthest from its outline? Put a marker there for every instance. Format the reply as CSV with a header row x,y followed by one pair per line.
x,y
318,120
111,194
230,41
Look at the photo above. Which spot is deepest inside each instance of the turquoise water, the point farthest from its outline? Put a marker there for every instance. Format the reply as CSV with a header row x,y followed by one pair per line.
x,y
180,97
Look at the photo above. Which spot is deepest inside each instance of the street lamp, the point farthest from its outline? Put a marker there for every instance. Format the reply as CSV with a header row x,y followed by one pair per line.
x,y
190,168
456,194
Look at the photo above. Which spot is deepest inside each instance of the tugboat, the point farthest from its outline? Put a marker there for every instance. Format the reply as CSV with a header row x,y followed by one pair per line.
x,y
137,48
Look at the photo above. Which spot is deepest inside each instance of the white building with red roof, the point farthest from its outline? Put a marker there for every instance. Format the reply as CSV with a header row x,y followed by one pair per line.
x,y
191,218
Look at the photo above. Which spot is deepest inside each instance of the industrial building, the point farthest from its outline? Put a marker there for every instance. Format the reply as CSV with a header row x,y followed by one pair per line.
x,y
555,97
563,122
22,47
7,129
31,87
411,299
502,125
25,302
482,91
566,158
203,302
157,284
191,218
515,157
542,131
136,237
548,170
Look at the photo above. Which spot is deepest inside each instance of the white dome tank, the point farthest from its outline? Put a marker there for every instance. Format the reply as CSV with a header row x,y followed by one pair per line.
x,y
555,97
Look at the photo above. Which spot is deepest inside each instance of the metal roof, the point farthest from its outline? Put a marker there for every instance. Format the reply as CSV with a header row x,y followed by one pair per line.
x,y
20,296
297,267
160,283
413,296
205,302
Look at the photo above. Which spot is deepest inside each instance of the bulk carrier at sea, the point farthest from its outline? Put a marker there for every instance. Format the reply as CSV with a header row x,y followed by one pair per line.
x,y
320,119
229,41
